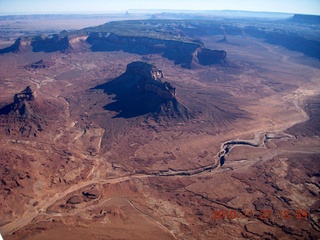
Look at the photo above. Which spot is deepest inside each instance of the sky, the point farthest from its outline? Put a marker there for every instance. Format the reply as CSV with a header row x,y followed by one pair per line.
x,y
105,6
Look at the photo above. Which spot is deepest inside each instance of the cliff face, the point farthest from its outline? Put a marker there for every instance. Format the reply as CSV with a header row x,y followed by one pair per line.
x,y
208,57
140,91
50,44
146,70
178,51
78,43
152,80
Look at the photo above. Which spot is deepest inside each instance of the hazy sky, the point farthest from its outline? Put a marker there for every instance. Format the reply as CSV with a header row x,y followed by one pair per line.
x,y
68,6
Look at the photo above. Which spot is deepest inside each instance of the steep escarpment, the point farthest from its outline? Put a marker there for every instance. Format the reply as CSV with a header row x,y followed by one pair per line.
x,y
142,91
208,57
178,51
50,44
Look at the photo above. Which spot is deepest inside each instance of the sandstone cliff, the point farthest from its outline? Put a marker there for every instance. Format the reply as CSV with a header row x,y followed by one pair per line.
x,y
208,57
178,51
142,91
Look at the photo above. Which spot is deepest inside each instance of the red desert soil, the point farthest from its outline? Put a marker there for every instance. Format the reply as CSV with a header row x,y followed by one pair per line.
x,y
89,175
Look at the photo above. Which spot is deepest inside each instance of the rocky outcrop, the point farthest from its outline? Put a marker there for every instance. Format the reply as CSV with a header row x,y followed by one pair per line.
x,y
22,115
209,57
78,43
140,91
153,78
20,45
13,48
41,64
146,70
19,107
25,95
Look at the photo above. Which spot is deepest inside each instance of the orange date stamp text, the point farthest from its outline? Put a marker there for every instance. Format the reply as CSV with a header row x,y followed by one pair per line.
x,y
285,214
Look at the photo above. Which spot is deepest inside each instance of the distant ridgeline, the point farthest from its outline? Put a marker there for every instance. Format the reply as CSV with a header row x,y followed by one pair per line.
x,y
176,39
309,19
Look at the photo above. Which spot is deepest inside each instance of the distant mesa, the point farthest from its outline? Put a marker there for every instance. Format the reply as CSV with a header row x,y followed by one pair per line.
x,y
41,64
52,43
184,53
308,19
180,52
142,91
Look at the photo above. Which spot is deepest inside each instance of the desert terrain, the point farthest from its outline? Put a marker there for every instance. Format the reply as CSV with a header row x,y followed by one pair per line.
x,y
219,139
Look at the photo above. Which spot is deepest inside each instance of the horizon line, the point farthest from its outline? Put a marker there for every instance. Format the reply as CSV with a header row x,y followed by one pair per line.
x,y
144,11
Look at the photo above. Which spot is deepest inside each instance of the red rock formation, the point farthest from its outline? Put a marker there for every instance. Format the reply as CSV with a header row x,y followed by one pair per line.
x,y
141,90
25,95
152,77
144,69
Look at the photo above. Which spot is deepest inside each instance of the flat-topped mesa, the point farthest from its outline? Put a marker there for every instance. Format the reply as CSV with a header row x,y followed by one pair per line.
x,y
141,90
152,79
25,95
